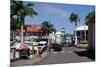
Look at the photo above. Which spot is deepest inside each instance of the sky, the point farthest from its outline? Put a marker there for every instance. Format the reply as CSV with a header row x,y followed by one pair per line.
x,y
59,14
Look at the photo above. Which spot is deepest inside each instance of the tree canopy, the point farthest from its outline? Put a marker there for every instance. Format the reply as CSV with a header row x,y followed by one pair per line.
x,y
18,11
48,27
90,17
74,18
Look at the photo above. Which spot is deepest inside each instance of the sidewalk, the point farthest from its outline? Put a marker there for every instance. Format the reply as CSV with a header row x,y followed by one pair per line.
x,y
30,61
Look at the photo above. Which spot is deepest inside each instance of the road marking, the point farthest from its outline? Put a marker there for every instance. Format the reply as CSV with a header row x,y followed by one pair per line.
x,y
58,52
55,52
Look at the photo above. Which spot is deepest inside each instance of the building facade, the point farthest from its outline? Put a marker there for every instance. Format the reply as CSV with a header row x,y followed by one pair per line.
x,y
32,31
82,34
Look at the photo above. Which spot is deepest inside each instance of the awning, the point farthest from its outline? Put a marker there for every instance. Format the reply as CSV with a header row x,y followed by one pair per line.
x,y
20,46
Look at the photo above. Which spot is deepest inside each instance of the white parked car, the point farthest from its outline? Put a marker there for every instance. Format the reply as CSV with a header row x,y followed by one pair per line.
x,y
43,44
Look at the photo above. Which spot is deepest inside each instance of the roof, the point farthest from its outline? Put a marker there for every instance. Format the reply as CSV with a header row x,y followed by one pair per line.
x,y
33,28
85,27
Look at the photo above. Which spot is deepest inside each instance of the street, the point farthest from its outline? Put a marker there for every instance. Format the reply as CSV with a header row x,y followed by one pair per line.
x,y
66,56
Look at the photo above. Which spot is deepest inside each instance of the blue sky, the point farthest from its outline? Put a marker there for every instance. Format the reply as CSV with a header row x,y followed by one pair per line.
x,y
59,14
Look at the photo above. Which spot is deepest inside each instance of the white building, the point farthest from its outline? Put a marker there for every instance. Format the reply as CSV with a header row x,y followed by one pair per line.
x,y
81,33
56,37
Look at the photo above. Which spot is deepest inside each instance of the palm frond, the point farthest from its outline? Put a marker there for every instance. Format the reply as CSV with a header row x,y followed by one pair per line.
x,y
90,17
74,18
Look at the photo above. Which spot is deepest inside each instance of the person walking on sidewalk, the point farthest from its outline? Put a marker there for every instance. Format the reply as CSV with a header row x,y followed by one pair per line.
x,y
40,51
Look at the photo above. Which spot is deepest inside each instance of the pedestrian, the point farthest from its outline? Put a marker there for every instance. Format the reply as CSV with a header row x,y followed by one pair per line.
x,y
40,51
73,42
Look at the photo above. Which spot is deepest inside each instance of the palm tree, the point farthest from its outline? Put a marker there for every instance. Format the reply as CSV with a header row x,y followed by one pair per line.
x,y
90,21
21,10
13,26
74,18
48,28
90,17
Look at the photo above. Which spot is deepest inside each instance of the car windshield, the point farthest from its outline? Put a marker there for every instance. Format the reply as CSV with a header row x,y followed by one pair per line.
x,y
40,44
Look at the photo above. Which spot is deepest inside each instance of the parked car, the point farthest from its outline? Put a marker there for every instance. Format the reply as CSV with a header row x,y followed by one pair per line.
x,y
24,54
43,45
56,47
83,44
33,45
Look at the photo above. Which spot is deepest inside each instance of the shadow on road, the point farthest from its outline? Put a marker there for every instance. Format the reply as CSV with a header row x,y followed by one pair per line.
x,y
21,58
88,53
24,58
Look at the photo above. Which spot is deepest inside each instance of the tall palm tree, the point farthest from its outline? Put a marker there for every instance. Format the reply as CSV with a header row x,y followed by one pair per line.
x,y
21,10
90,17
74,18
48,28
90,21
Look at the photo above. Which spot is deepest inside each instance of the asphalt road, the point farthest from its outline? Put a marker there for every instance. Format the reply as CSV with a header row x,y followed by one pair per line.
x,y
67,55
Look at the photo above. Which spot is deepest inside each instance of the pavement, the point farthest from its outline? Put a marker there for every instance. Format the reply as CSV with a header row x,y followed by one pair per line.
x,y
30,61
67,55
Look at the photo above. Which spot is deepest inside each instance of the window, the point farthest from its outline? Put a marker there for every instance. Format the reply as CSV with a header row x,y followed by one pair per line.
x,y
28,34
